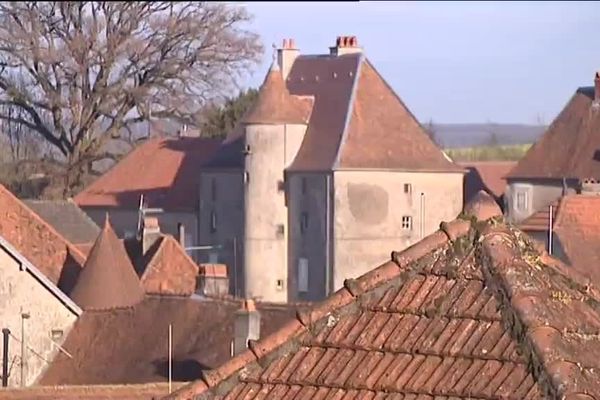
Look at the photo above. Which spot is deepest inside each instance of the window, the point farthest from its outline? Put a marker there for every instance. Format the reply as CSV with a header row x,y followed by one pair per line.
x,y
279,284
281,186
246,177
303,222
407,223
407,188
56,334
303,185
280,229
522,201
213,189
213,221
247,150
303,275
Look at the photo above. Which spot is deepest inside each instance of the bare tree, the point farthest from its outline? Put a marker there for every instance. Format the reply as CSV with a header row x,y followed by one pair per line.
x,y
92,70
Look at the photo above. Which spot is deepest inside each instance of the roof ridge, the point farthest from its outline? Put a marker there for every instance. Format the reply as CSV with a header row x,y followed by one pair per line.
x,y
164,240
352,289
70,246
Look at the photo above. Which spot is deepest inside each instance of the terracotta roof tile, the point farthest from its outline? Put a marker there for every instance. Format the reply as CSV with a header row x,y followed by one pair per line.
x,y
487,176
130,345
164,170
108,279
275,105
539,221
577,227
57,258
384,134
570,145
169,270
431,332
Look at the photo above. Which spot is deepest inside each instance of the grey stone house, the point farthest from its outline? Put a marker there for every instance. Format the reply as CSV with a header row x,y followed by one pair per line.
x,y
567,154
326,173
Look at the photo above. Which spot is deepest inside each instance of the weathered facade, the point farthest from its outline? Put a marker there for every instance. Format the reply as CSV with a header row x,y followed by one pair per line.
x,y
318,177
37,314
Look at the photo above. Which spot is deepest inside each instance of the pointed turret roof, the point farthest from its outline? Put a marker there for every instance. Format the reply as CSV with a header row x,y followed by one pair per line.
x,y
275,104
108,279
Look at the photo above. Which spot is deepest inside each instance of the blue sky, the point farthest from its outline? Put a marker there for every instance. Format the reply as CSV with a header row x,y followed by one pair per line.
x,y
508,62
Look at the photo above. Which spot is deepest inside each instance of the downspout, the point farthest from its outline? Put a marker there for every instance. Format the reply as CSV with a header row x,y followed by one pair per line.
x,y
550,233
327,235
5,336
24,316
422,217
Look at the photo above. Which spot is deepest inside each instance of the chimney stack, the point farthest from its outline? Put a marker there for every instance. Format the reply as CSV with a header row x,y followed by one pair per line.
x,y
213,280
345,45
247,326
286,56
597,87
590,186
150,233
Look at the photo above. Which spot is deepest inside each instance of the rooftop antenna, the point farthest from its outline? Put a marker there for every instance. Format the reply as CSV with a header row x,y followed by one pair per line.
x,y
170,357
140,213
550,223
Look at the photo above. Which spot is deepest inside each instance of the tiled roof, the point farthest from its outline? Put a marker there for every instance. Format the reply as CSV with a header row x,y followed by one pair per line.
x,y
382,133
471,311
58,259
486,175
164,170
577,227
275,105
108,279
570,146
66,218
90,392
539,221
168,269
131,345
356,121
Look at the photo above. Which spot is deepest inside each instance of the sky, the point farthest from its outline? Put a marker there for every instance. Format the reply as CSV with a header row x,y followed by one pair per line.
x,y
453,62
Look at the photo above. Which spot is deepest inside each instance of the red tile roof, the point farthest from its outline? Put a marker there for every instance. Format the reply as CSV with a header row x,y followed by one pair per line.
x,y
165,170
471,311
275,105
169,270
486,175
108,279
570,146
383,133
577,227
131,345
539,221
57,258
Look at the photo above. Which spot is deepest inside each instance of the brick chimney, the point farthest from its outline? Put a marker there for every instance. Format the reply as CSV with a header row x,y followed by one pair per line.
x,y
213,280
247,326
345,45
286,56
150,233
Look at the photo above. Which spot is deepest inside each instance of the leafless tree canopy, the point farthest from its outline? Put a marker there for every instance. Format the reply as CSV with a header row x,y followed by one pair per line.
x,y
81,73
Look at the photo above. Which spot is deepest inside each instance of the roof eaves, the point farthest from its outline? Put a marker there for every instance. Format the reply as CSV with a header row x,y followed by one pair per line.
x,y
344,138
28,266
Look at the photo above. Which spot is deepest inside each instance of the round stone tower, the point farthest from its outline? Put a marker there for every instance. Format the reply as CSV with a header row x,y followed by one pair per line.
x,y
274,130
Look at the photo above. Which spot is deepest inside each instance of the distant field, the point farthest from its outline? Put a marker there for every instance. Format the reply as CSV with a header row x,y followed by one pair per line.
x,y
489,153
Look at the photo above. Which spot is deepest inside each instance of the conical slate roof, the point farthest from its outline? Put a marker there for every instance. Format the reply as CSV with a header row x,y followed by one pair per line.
x,y
275,104
108,279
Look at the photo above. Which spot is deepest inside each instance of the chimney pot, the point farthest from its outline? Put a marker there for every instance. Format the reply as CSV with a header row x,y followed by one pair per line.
x,y
597,87
286,57
285,44
246,326
292,44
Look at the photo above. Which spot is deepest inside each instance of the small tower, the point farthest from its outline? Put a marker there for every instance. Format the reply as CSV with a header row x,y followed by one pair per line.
x,y
274,130
108,279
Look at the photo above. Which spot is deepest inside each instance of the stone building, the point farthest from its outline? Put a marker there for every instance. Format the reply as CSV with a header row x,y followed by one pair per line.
x,y
325,173
567,154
